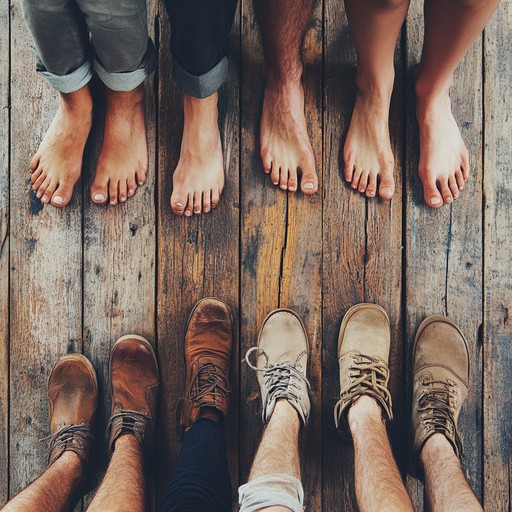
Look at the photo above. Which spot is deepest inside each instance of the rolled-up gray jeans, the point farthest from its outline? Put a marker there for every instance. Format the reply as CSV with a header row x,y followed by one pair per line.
x,y
74,38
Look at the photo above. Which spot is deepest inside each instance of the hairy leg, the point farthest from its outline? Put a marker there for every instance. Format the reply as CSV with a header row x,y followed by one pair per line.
x,y
124,481
375,25
284,141
450,30
377,480
53,490
446,487
198,180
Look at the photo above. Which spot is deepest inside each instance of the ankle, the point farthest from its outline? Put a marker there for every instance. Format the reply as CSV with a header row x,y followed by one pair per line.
x,y
436,445
428,92
201,109
284,412
363,411
212,414
126,99
375,87
79,101
70,463
283,81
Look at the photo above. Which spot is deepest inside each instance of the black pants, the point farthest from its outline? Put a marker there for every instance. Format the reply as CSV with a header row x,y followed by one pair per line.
x,y
200,43
200,481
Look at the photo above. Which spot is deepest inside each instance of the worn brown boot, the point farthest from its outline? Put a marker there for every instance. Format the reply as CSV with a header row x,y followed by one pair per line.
x,y
134,387
72,403
363,353
208,344
440,383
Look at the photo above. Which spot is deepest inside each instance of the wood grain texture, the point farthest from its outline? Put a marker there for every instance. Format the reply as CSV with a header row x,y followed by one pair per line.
x,y
361,238
46,264
197,257
444,247
4,246
497,349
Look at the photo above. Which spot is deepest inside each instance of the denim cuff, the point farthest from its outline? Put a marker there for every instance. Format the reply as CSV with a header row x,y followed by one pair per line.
x,y
203,85
277,490
129,80
70,82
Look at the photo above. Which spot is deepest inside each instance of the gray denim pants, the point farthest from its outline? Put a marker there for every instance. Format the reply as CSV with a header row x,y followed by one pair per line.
x,y
73,38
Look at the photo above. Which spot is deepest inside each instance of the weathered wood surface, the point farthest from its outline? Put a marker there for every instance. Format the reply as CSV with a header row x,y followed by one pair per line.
x,y
197,257
4,246
45,268
137,268
444,247
497,344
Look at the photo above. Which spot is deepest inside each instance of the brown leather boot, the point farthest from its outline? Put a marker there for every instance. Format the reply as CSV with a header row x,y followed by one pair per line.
x,y
72,403
208,344
440,383
134,387
363,353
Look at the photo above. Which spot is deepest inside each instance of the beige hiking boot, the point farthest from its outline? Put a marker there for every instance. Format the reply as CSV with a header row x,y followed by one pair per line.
x,y
440,383
363,352
281,363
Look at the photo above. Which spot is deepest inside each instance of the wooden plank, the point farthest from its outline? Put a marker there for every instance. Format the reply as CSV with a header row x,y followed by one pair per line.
x,y
197,257
361,238
444,247
497,353
46,264
281,248
119,253
4,247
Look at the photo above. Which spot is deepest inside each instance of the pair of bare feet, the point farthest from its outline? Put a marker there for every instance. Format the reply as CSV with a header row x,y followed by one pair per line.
x,y
444,163
198,180
123,161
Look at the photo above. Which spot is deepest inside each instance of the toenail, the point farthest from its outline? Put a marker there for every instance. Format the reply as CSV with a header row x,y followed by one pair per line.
x,y
275,182
292,189
386,191
122,199
206,210
57,199
141,183
44,199
112,202
449,199
309,185
188,214
180,205
283,187
99,197
435,200
130,192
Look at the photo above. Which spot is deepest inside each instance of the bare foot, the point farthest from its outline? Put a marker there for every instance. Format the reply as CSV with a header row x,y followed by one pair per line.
x,y
57,164
367,153
284,141
198,180
444,161
123,161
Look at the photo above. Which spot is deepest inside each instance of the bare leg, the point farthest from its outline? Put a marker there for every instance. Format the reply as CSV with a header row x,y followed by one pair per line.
x,y
198,180
445,484
53,490
284,140
450,30
57,164
123,160
378,482
278,452
375,25
124,481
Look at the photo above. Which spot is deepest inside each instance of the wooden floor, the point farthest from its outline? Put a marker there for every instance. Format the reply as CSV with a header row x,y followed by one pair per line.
x,y
77,279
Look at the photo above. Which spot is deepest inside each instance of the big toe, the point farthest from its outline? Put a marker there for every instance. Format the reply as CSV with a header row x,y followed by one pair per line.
x,y
62,195
387,187
178,202
99,191
432,196
309,181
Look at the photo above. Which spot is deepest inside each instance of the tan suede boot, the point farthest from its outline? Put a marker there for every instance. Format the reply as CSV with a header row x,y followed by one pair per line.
x,y
440,383
363,352
281,363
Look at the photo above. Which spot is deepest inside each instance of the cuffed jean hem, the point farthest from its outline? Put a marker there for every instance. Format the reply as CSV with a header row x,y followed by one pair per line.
x,y
203,85
70,82
272,491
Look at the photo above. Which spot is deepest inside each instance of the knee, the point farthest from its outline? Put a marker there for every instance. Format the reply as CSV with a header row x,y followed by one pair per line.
x,y
473,4
391,4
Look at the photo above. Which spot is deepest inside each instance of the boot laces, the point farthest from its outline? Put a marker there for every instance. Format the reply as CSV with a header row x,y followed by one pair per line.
x,y
211,382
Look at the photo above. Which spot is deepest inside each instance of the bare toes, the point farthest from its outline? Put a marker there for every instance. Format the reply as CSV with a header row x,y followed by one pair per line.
x,y
198,202
452,184
387,187
62,195
207,203
215,198
309,180
274,173
371,189
123,191
178,202
113,192
283,178
349,170
141,177
445,191
363,182
460,179
189,207
266,161
355,178
36,174
39,181
42,188
432,195
49,191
